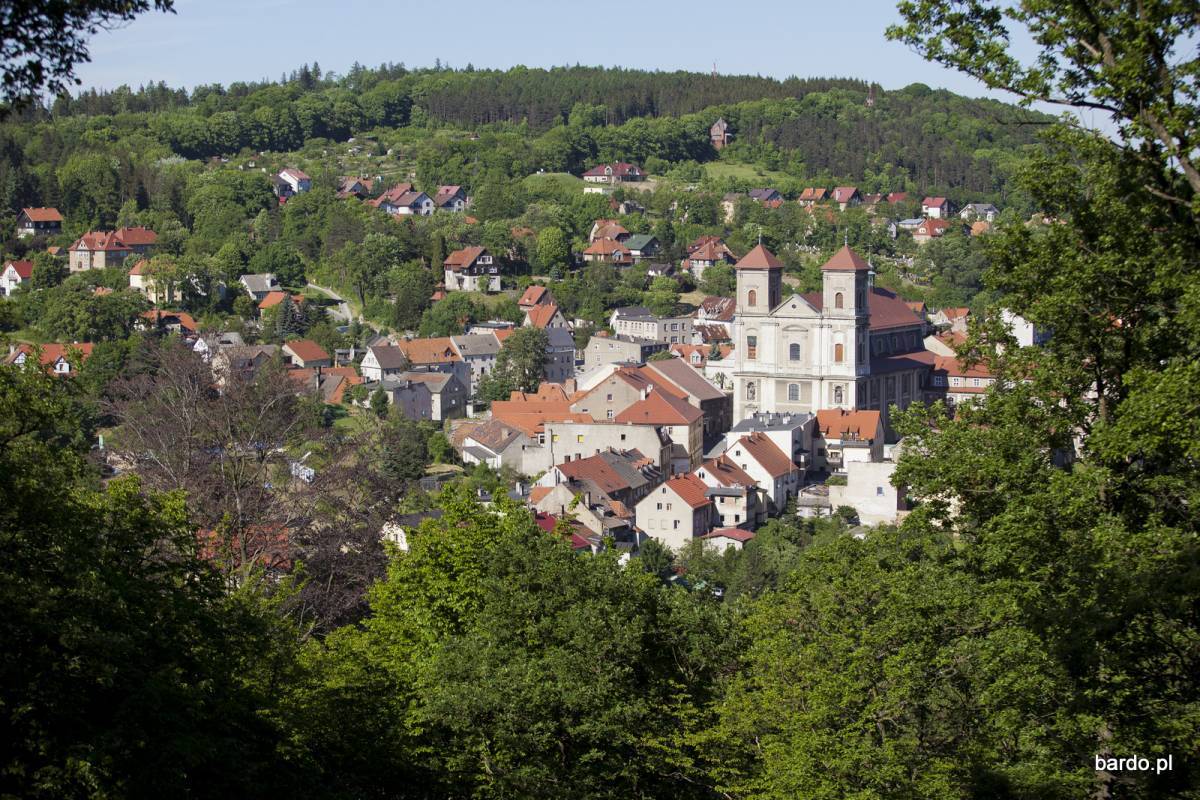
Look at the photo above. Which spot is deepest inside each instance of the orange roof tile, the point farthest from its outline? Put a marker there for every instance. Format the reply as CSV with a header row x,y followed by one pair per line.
x,y
759,258
728,473
429,351
541,316
846,260
767,454
660,408
840,424
690,489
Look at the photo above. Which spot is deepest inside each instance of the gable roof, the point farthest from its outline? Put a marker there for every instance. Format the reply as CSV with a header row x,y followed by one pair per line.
x,y
41,214
494,434
639,241
388,356
886,309
759,258
721,309
429,351
933,202
843,194
275,297
727,473
687,378
609,471
292,172
846,260
607,247
160,317
52,352
446,193
932,227
690,490
24,269
476,344
838,423
541,316
660,408
760,447
306,350
737,534
534,295
461,259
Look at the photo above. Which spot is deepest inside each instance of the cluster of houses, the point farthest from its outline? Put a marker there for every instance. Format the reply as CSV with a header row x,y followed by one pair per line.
x,y
403,199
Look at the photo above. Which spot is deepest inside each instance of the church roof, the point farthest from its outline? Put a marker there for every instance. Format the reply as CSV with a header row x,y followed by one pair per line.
x,y
846,260
887,310
759,258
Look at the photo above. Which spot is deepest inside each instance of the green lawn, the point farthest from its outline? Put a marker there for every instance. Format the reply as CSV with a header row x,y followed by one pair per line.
x,y
552,180
746,172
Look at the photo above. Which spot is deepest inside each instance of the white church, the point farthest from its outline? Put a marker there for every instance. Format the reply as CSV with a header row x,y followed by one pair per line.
x,y
850,346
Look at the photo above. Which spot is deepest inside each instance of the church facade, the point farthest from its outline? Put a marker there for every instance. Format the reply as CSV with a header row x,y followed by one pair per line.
x,y
849,346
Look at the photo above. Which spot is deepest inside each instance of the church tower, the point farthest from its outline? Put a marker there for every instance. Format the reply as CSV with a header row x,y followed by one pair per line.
x,y
845,291
759,282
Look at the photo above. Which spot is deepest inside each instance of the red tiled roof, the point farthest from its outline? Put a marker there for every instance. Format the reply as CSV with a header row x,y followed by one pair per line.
x,y
842,194
686,351
429,351
730,533
461,259
838,423
711,251
887,310
607,247
702,241
954,367
24,269
935,202
690,489
541,316
767,454
956,312
272,299
932,227
295,173
158,316
620,169
660,408
307,350
759,258
896,197
52,352
597,470
136,237
533,296
139,268
846,260
42,214
546,522
727,473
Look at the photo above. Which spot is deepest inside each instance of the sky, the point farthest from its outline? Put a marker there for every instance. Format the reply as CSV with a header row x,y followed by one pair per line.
x,y
222,41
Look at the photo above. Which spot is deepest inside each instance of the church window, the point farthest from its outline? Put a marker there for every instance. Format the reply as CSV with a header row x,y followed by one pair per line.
x,y
838,395
839,353
793,392
751,390
837,300
794,352
752,298
751,347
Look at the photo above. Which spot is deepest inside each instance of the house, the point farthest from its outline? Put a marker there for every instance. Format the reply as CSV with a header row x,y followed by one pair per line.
x,y
930,229
103,249
494,443
869,490
792,433
707,254
718,133
449,198
896,197
560,355
846,196
699,355
39,222
618,349
57,359
936,207
274,298
641,246
349,186
639,322
535,295
680,420
478,351
306,353
608,251
677,512
433,396
259,285
383,361
1025,332
764,195
209,344
607,229
955,319
472,269
244,360
618,478
735,494
613,174
291,181
721,539
714,404
812,195
979,211
545,317
843,436
170,321
14,275
715,310
770,467
957,381
979,227
403,200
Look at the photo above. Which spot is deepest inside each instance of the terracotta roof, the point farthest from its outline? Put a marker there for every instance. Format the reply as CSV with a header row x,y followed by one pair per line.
x,y
846,260
837,423
606,247
933,201
136,237
537,494
915,306
394,193
686,378
603,470
956,312
660,408
608,229
896,197
721,309
52,352
711,251
159,317
272,299
711,333
139,268
306,350
620,169
730,533
494,435
533,295
24,269
42,214
759,258
980,227
460,259
887,309
429,351
502,333
541,316
767,454
727,473
932,227
530,411
702,241
842,194
687,350
690,489
955,367
444,193
295,173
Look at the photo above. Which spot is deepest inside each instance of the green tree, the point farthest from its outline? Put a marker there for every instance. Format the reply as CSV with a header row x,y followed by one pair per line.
x,y
553,249
663,296
379,403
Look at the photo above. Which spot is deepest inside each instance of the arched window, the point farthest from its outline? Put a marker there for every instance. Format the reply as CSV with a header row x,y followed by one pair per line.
x,y
839,353
794,352
837,395
837,300
793,392
752,298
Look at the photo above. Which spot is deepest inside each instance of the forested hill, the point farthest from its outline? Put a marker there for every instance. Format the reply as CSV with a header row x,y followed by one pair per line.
x,y
819,129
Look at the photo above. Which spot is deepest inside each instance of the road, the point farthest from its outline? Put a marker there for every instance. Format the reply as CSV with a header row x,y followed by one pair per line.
x,y
342,310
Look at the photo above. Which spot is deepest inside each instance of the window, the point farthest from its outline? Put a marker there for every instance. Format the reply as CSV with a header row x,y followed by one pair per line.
x,y
676,525
622,437
659,507
794,352
737,517
976,382
579,438
609,398
609,413
554,438
668,506
751,390
793,392
837,300
879,491
752,298
838,395
839,353
752,347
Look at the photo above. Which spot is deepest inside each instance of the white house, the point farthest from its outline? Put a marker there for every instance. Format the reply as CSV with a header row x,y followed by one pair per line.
x,y
15,273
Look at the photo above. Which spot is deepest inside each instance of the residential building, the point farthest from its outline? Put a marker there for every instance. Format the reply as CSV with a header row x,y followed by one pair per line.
x,y
57,359
721,539
354,187
936,207
565,440
707,254
719,133
618,349
258,286
478,351
791,433
621,477
972,212
714,404
682,422
851,345
842,437
641,246
1025,332
244,360
715,310
613,174
103,249
607,229
545,317
846,196
813,195
472,269
168,321
39,222
14,275
639,322
699,355
292,181
608,251
496,444
433,396
677,512
383,361
560,355
954,319
930,229
306,353
776,474
957,381
736,495
534,296
402,200
869,491
450,198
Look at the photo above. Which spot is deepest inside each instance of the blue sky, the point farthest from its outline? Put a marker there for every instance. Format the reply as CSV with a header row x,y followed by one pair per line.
x,y
222,41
